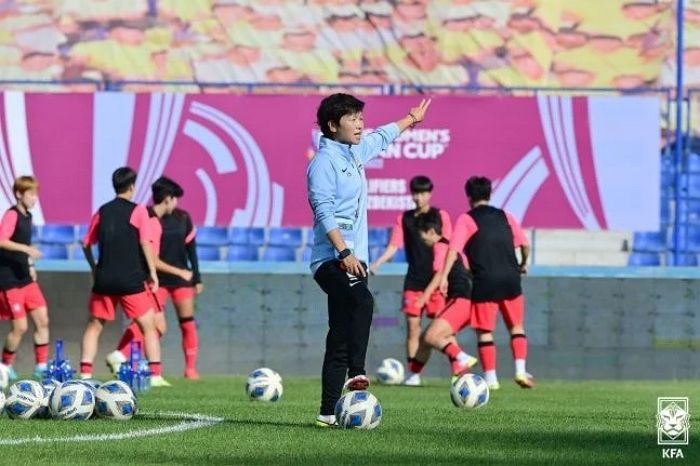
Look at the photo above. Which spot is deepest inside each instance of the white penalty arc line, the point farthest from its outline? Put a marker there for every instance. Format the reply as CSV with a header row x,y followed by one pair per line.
x,y
189,422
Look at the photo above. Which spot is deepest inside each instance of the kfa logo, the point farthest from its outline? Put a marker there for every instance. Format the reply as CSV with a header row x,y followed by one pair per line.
x,y
673,425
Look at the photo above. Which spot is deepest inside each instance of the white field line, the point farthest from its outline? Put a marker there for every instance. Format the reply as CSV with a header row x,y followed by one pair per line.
x,y
189,422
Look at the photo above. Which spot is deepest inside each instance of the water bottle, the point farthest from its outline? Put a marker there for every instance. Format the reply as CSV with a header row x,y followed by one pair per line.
x,y
145,375
124,373
134,363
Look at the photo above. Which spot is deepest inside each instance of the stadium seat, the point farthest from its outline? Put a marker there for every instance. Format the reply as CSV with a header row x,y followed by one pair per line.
x,y
649,241
378,237
665,214
689,239
77,253
690,210
208,253
238,253
36,233
400,256
54,251
256,236
57,234
693,184
693,163
375,252
310,236
306,254
285,236
279,254
212,236
82,231
687,260
238,236
644,259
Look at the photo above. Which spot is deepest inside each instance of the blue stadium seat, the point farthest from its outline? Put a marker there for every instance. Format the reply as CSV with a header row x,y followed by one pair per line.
x,y
310,236
208,253
665,214
375,252
238,253
285,236
378,237
400,256
78,253
690,209
36,233
693,163
649,241
306,254
239,236
82,231
687,260
644,259
693,183
689,239
54,251
279,254
58,234
256,236
212,236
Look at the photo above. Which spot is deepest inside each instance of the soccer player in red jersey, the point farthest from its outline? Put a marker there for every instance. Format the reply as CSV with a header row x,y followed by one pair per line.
x,y
488,236
20,294
175,242
420,265
126,264
456,313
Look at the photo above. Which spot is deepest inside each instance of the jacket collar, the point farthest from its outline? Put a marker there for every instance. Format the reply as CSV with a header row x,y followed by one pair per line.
x,y
335,147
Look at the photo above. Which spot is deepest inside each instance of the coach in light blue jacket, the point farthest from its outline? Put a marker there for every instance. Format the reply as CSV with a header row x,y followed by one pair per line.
x,y
337,190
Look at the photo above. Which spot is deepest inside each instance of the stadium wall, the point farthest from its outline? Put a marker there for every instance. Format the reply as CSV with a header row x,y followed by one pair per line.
x,y
604,323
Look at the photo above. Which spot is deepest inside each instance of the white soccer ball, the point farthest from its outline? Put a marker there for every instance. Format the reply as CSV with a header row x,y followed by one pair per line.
x,y
92,384
115,400
4,377
23,404
390,372
264,385
49,386
72,401
30,387
470,391
358,410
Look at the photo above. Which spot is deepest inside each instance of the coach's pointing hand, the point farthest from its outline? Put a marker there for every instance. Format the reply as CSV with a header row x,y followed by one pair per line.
x,y
418,113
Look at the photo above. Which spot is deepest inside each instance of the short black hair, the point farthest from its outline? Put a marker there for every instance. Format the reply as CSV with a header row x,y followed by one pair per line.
x,y
334,107
478,188
122,179
428,220
421,184
164,187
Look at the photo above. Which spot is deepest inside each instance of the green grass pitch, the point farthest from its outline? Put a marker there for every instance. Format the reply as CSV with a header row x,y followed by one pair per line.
x,y
567,423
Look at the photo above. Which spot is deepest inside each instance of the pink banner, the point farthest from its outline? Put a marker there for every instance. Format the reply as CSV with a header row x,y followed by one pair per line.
x,y
558,162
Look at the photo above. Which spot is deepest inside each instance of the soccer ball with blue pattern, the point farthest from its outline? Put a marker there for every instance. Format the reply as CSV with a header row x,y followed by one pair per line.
x,y
264,385
390,372
72,401
24,399
31,387
470,391
115,400
358,410
91,384
49,386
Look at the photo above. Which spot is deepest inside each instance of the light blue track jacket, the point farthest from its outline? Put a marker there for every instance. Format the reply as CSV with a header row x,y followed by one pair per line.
x,y
337,190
